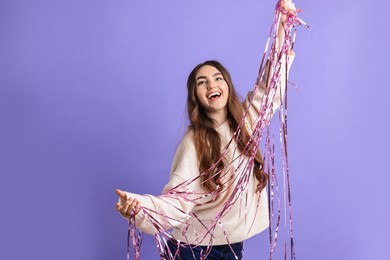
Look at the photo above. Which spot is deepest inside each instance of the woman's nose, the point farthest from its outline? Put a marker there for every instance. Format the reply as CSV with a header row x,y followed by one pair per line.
x,y
211,85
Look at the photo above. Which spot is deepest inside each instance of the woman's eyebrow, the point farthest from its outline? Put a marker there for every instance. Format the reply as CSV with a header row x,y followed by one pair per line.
x,y
204,77
201,77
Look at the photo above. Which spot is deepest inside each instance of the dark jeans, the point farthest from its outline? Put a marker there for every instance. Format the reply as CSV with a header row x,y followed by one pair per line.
x,y
222,252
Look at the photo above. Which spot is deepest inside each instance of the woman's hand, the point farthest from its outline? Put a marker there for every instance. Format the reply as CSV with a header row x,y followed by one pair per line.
x,y
126,206
288,7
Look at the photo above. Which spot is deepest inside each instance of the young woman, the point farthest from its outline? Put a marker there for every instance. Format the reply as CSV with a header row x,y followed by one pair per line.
x,y
200,202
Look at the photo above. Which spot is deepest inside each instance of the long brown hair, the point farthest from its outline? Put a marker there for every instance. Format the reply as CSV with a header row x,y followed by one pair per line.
x,y
206,138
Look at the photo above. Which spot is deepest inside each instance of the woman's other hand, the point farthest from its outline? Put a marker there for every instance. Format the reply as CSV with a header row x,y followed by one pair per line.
x,y
126,206
288,6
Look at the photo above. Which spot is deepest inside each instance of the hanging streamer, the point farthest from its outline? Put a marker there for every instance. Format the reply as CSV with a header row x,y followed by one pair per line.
x,y
275,58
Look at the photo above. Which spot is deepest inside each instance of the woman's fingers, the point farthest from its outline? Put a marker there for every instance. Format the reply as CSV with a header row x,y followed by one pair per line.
x,y
125,206
120,193
288,9
288,6
128,207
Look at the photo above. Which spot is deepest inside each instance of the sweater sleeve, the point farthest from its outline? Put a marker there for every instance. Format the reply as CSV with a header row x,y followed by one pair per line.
x,y
173,206
254,106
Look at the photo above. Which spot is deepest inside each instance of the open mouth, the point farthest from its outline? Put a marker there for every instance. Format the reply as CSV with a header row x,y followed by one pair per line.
x,y
214,95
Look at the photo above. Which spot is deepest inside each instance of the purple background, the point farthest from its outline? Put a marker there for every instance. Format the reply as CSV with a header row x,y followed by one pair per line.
x,y
92,98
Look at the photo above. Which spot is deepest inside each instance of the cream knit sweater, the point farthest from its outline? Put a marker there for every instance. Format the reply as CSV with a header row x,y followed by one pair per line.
x,y
190,221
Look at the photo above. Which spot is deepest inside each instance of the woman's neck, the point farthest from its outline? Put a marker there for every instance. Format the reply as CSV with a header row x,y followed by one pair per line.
x,y
219,117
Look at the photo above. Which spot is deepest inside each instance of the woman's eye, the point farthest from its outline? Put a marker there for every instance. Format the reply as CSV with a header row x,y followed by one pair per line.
x,y
219,79
201,82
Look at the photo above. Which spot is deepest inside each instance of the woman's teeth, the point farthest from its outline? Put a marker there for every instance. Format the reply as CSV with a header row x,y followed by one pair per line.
x,y
214,95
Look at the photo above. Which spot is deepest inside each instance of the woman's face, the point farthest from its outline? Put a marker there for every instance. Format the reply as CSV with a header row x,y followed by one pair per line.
x,y
212,92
